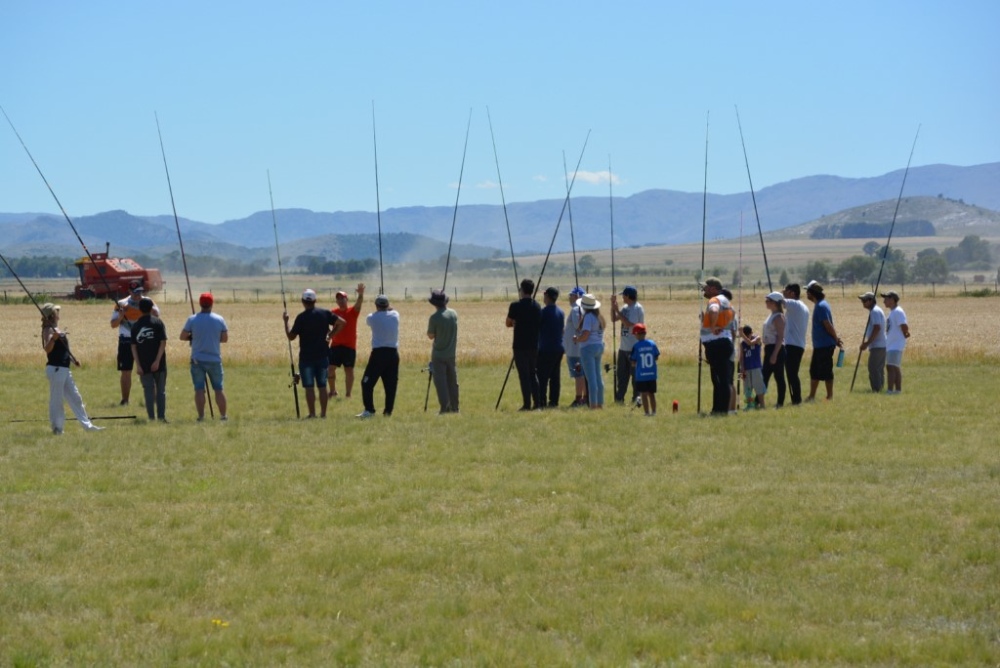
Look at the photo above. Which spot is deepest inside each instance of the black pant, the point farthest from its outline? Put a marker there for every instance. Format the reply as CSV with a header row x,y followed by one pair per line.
x,y
526,362
793,359
777,370
623,374
548,378
718,354
384,364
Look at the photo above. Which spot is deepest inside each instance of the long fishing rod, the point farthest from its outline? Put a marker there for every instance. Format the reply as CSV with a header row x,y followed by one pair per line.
x,y
885,251
92,418
458,192
503,200
614,290
541,274
701,273
739,308
753,196
53,192
284,304
34,301
572,237
180,241
378,208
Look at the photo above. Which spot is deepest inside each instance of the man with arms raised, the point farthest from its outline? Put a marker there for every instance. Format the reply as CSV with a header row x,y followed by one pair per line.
x,y
344,344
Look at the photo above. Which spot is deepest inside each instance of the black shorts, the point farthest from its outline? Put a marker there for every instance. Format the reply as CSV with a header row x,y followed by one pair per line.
x,y
821,365
343,356
125,361
645,386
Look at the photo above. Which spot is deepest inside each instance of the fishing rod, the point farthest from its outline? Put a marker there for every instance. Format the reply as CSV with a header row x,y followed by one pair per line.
x,y
549,253
885,251
572,238
454,215
92,418
53,193
701,273
180,241
739,308
614,290
284,304
378,208
753,196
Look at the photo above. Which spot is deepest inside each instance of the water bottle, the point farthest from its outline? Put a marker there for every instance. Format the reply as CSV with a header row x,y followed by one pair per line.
x,y
840,358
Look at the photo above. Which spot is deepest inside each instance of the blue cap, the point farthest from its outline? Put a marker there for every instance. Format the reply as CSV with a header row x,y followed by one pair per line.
x,y
630,292
577,292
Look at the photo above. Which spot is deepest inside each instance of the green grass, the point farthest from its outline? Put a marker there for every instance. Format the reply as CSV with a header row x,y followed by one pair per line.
x,y
861,531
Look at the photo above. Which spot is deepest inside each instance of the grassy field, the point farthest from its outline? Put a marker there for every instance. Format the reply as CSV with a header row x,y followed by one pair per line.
x,y
861,531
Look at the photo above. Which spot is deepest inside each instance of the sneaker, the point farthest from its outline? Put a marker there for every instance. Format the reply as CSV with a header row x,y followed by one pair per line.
x,y
123,402
201,418
638,402
92,427
224,418
56,431
163,421
364,415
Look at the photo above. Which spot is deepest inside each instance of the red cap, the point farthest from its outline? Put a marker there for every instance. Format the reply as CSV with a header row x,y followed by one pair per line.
x,y
341,293
206,299
638,327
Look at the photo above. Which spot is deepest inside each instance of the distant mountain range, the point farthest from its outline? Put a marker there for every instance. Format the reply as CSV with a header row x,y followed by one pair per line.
x,y
652,217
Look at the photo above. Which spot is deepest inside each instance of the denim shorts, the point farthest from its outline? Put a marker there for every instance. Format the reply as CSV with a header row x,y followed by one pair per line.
x,y
211,370
575,368
315,373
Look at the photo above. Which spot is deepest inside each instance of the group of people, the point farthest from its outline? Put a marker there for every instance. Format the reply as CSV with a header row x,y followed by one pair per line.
x,y
543,335
776,354
142,347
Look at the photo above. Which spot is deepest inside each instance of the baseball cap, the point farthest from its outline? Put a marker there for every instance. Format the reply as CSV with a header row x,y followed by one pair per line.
x,y
136,286
308,295
892,293
341,293
776,297
382,301
630,292
638,327
206,299
866,296
577,292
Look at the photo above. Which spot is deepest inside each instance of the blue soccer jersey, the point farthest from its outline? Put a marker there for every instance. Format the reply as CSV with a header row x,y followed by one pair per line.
x,y
644,354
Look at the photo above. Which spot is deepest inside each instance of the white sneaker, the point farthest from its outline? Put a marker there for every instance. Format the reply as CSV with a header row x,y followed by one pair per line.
x,y
364,415
92,427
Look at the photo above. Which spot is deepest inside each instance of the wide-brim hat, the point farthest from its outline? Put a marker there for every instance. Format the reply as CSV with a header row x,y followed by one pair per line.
x,y
437,298
49,309
589,302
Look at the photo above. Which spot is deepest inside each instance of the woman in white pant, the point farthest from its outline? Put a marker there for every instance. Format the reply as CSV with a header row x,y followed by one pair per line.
x,y
61,385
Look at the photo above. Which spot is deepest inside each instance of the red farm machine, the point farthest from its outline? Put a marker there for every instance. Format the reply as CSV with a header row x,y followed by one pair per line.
x,y
113,277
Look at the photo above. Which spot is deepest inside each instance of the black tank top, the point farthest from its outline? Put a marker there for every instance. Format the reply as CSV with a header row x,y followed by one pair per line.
x,y
59,356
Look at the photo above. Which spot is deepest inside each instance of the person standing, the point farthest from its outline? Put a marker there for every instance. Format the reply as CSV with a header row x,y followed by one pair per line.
x,y
574,318
591,340
874,341
773,337
717,338
125,314
149,349
897,331
550,349
643,359
344,344
825,341
61,385
207,332
383,363
524,316
797,324
313,327
629,315
442,329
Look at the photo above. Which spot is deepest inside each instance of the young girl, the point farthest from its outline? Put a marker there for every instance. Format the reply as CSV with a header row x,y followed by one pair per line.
x,y
61,385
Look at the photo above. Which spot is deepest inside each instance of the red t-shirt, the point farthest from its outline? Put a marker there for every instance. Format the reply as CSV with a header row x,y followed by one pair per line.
x,y
348,336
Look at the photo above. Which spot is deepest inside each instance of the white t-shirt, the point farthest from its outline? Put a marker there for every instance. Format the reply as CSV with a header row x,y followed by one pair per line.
x,y
796,323
573,318
635,314
876,318
894,338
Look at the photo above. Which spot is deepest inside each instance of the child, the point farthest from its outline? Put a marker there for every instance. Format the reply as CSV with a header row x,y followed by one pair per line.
x,y
643,357
751,369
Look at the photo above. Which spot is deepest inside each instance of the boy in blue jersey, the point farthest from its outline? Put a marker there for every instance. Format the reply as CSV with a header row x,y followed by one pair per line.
x,y
751,368
643,358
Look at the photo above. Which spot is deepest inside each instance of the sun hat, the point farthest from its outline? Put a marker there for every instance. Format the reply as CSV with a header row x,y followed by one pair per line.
x,y
712,281
49,309
308,295
206,299
776,297
589,302
437,298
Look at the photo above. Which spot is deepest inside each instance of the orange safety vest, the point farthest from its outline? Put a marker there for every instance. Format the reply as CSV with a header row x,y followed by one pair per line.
x,y
724,319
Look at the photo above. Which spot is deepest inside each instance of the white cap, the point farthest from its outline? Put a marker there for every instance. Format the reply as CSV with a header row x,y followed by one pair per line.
x,y
309,295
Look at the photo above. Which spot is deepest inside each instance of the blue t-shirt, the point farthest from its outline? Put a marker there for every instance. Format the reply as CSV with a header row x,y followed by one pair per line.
x,y
644,354
206,329
821,314
550,332
751,356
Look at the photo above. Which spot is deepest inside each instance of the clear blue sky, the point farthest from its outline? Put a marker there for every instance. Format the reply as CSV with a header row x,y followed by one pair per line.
x,y
243,87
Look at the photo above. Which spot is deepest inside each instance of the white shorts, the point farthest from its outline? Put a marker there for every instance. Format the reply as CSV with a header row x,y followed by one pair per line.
x,y
894,358
755,379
